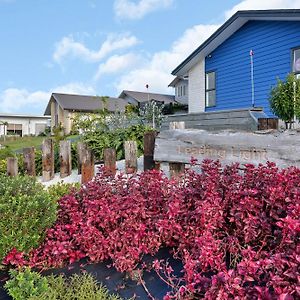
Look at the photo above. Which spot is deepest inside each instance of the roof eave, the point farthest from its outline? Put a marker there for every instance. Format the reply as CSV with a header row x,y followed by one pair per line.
x,y
181,69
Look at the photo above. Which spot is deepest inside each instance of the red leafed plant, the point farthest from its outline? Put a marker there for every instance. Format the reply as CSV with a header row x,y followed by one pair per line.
x,y
236,231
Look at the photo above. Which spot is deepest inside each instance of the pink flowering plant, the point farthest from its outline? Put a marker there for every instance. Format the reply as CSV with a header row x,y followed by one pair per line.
x,y
235,230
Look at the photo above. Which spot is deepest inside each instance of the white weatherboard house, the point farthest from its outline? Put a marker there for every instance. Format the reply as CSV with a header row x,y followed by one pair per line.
x,y
16,124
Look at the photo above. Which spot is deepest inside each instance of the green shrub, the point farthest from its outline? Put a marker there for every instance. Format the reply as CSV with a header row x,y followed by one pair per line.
x,y
6,152
285,99
26,284
77,287
30,285
61,189
99,139
26,210
38,160
3,166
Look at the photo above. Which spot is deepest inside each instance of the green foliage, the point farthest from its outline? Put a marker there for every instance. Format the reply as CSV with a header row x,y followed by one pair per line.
x,y
61,189
131,109
285,99
26,210
29,285
6,152
110,130
98,140
38,160
77,287
152,114
172,108
58,133
26,284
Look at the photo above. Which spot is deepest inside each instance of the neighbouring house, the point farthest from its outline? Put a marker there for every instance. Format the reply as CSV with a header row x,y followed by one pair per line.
x,y
141,98
22,125
62,107
180,86
236,67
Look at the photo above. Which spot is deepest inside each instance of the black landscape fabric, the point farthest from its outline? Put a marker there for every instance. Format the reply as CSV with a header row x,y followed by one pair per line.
x,y
115,281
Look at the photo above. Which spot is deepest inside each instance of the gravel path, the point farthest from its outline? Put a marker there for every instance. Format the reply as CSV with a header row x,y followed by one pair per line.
x,y
74,177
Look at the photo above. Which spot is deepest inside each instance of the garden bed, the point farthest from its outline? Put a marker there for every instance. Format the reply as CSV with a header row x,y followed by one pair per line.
x,y
235,232
116,282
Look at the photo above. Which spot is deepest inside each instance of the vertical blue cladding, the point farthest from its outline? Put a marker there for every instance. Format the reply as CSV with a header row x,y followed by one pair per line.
x,y
271,42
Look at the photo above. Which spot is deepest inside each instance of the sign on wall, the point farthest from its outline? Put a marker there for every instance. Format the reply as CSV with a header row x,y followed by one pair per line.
x,y
228,147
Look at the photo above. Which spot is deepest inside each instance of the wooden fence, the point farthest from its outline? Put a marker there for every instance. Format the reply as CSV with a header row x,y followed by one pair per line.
x,y
85,158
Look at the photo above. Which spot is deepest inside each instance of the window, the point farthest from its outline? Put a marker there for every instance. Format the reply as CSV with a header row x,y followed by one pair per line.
x,y
210,89
13,129
184,90
296,61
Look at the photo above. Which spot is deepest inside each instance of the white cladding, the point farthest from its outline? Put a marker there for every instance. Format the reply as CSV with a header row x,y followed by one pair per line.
x,y
197,87
31,125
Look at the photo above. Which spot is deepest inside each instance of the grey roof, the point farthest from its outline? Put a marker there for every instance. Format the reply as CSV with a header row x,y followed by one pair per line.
x,y
81,103
174,81
177,80
229,27
144,97
13,115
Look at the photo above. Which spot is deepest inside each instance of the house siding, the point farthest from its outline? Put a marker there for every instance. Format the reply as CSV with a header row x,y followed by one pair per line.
x,y
30,125
184,97
271,42
196,88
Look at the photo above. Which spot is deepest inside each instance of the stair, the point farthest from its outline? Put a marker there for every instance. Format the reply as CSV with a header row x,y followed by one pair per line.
x,y
239,119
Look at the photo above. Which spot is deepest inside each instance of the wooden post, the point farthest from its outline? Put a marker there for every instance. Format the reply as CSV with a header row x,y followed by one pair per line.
x,y
80,149
29,161
176,169
177,125
157,166
48,159
87,167
267,123
149,143
110,158
130,157
12,166
65,158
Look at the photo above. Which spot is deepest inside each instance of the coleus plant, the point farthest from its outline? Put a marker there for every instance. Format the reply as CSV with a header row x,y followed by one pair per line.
x,y
236,230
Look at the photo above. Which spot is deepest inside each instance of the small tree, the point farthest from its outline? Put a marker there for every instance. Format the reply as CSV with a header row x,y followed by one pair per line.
x,y
285,100
152,113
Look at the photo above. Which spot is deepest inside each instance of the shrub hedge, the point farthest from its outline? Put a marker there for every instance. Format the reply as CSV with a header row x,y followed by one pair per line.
x,y
26,211
236,231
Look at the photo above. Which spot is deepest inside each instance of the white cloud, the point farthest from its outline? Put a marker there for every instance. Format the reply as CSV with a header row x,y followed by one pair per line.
x,y
128,9
157,71
16,100
266,4
118,63
68,47
21,100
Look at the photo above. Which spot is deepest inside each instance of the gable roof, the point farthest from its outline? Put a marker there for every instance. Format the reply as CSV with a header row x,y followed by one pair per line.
x,y
176,80
145,97
230,27
81,103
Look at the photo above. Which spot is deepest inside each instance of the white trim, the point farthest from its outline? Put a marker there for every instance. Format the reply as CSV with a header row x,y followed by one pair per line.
x,y
196,88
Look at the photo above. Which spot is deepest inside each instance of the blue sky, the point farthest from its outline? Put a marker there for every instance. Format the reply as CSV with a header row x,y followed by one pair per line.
x,y
100,47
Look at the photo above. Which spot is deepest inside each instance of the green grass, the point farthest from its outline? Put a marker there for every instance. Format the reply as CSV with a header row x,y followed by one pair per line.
x,y
28,141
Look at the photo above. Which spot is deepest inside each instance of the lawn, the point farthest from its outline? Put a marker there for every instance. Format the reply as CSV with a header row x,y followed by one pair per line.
x,y
29,141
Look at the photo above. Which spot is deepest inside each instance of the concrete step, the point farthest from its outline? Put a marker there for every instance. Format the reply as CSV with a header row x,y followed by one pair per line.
x,y
219,120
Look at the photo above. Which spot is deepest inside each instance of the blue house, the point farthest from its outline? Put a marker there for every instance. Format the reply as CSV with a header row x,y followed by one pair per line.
x,y
237,66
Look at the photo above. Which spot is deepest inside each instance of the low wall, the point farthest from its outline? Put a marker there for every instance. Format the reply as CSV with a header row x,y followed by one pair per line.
x,y
229,147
